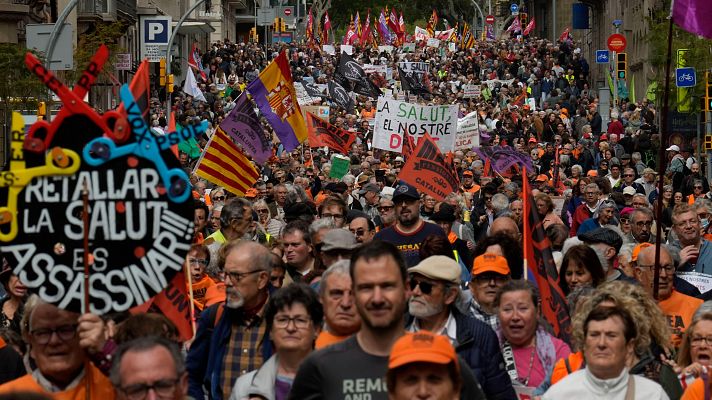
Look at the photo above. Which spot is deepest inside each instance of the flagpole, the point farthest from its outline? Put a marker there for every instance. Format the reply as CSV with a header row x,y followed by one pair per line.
x,y
661,161
202,154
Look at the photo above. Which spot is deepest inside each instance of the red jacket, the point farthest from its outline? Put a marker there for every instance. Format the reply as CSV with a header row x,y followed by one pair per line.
x,y
581,214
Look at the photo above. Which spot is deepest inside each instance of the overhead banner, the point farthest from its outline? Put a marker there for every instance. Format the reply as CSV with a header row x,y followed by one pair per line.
x,y
395,118
429,171
468,132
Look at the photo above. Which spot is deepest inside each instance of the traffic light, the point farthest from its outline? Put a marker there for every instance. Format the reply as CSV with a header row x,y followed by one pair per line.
x,y
708,91
41,109
162,73
621,65
524,19
282,25
170,83
277,24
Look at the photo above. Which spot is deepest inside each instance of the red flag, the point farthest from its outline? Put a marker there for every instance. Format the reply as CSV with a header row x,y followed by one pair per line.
x,y
565,35
322,133
393,22
541,267
141,90
327,28
195,61
530,27
366,30
428,171
310,27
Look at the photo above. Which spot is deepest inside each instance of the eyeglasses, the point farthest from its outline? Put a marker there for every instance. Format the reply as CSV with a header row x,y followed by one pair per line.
x,y
200,261
335,216
300,322
64,333
384,208
628,176
698,187
669,269
624,220
358,232
219,198
487,278
263,211
163,389
238,276
698,340
691,222
425,287
406,202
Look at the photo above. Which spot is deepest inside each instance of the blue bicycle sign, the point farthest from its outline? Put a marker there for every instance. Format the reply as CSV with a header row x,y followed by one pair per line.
x,y
602,57
685,77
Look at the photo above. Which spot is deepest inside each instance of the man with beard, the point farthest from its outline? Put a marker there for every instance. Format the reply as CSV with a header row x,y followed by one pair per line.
x,y
232,337
689,181
410,230
386,214
641,223
357,366
435,288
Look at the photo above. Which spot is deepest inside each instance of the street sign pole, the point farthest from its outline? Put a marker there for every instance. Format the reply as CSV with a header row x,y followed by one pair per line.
x,y
50,46
615,73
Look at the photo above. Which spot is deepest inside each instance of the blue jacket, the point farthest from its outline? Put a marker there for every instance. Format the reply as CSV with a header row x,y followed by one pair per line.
x,y
205,358
477,344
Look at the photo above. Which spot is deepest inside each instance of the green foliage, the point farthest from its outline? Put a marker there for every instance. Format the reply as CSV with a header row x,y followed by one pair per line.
x,y
699,55
89,42
19,88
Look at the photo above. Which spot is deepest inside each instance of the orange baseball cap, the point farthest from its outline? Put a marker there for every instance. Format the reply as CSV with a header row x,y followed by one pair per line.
x,y
489,262
637,249
422,346
251,193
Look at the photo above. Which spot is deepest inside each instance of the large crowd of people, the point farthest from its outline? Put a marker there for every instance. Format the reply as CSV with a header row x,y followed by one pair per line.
x,y
363,287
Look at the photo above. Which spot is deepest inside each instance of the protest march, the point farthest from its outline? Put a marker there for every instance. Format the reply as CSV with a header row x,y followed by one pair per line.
x,y
394,214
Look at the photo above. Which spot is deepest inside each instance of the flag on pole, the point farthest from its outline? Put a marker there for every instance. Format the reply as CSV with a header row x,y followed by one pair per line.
x,y
191,86
693,16
195,61
366,30
327,28
273,92
541,267
393,22
401,26
310,27
357,25
224,164
516,26
141,90
243,126
432,23
565,35
530,27
383,31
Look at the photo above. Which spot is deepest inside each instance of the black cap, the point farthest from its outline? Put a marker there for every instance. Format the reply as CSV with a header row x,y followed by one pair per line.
x,y
445,214
602,235
336,187
405,190
301,210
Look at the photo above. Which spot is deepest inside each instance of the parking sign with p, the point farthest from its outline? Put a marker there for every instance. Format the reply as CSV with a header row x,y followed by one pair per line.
x,y
155,33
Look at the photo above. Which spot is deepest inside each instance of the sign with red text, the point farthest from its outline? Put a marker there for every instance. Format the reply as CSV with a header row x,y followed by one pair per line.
x,y
395,118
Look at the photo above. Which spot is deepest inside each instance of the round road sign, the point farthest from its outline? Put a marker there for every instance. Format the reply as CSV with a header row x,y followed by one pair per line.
x,y
287,11
616,42
489,19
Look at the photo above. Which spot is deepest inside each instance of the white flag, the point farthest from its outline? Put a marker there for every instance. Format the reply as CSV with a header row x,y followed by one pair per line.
x,y
191,87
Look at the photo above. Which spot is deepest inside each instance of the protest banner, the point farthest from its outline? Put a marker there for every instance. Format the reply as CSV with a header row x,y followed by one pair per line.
x,y
243,126
503,157
339,166
421,34
322,133
471,91
329,49
303,96
139,212
378,68
408,48
468,132
347,48
320,111
385,48
433,42
428,170
396,118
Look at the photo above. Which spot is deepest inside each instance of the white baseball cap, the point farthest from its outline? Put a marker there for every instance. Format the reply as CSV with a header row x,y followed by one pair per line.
x,y
674,147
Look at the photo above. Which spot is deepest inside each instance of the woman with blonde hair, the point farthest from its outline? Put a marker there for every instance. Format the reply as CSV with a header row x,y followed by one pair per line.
x,y
653,338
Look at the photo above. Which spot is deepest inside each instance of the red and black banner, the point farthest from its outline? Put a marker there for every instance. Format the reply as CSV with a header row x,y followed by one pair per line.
x,y
428,170
541,268
322,133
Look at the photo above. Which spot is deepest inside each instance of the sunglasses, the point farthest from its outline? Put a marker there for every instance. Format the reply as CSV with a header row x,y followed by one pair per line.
x,y
425,287
219,198
384,208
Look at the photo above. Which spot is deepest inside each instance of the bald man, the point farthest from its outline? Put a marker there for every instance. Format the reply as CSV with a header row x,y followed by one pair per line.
x,y
507,226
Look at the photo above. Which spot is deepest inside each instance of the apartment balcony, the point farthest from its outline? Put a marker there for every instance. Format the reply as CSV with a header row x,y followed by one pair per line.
x,y
97,10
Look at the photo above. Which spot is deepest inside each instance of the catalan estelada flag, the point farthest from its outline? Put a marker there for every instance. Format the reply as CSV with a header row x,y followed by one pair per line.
x,y
224,164
273,92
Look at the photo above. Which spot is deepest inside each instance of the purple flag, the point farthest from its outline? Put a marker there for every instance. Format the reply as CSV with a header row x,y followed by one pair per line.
x,y
503,157
243,125
693,16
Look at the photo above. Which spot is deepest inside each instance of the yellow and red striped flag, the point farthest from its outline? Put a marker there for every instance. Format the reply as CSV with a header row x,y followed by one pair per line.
x,y
224,164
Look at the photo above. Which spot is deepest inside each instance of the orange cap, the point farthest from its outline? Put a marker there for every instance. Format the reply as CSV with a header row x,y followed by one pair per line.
x,y
637,249
251,193
489,262
542,178
422,346
592,172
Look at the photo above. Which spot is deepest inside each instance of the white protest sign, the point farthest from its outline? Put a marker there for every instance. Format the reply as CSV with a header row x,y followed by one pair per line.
x,y
421,34
432,42
329,49
394,118
303,97
347,48
386,48
468,132
408,48
471,91
452,46
701,281
370,68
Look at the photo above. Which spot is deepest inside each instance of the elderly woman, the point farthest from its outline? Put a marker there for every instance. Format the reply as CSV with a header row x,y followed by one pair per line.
x,y
534,350
218,196
12,305
545,209
294,316
580,267
271,225
695,355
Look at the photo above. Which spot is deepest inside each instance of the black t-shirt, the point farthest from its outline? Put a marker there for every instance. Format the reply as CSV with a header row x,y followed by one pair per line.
x,y
409,243
344,371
